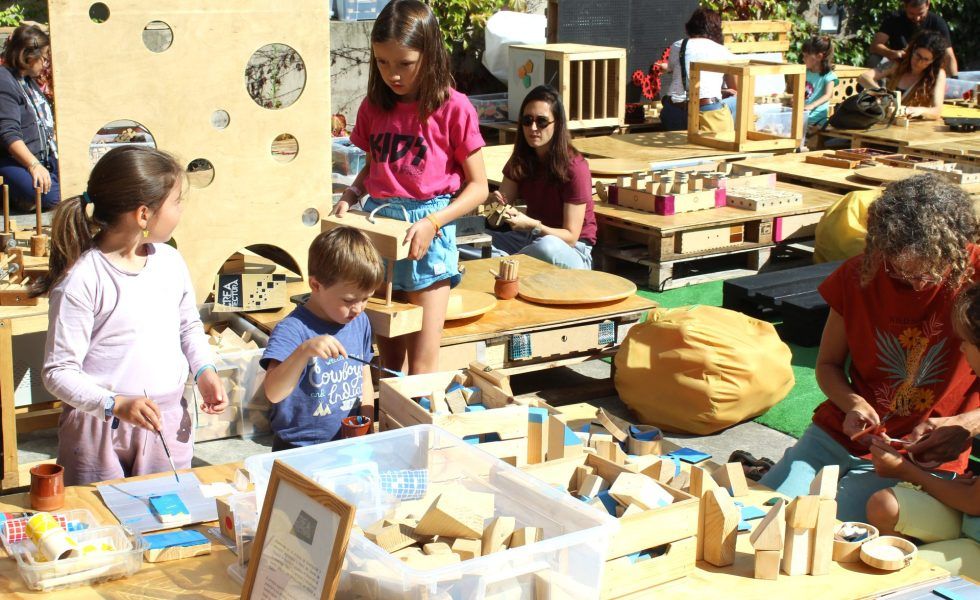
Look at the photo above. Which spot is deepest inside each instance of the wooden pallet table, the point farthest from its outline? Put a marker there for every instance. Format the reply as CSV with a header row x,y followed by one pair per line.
x,y
659,147
902,139
662,242
966,151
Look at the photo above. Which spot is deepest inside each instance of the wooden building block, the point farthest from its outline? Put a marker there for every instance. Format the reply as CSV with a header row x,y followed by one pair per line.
x,y
581,472
437,548
662,470
770,532
592,485
523,536
174,545
226,518
634,488
611,451
537,435
407,554
614,425
824,484
562,441
454,514
496,535
396,537
822,551
701,482
456,401
802,512
467,548
731,477
796,551
631,510
767,564
721,518
423,562
595,438
762,198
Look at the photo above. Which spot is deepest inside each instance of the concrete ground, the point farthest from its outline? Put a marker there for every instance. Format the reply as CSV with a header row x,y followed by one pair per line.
x,y
587,382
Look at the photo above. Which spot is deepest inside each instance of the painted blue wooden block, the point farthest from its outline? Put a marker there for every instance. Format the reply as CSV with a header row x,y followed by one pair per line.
x,y
750,513
172,539
475,408
690,455
169,507
607,501
537,415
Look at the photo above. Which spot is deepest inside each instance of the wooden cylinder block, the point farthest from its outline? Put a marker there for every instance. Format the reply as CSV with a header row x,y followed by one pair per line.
x,y
850,552
39,245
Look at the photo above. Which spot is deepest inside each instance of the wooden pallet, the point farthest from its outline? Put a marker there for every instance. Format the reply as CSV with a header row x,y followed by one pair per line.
x,y
681,272
959,173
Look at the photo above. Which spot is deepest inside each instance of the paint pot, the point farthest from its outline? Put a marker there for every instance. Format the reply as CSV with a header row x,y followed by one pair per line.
x,y
47,487
850,552
355,426
50,538
505,289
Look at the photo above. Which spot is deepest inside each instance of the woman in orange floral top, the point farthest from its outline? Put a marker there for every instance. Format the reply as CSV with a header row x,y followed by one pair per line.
x,y
889,361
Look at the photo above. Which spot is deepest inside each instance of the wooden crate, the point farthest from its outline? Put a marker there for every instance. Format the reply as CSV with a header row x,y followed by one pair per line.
x,y
672,525
745,138
503,416
959,173
590,79
749,37
668,192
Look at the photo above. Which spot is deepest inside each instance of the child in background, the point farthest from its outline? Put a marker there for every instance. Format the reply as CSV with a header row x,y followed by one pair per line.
x,y
942,513
310,381
424,166
818,56
124,323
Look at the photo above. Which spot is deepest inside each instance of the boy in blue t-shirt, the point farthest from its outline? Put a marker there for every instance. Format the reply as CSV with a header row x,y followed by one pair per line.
x,y
309,380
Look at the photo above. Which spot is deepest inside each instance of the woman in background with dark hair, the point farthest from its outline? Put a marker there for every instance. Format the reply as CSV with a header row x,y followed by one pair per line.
x,y
28,153
547,173
703,44
919,75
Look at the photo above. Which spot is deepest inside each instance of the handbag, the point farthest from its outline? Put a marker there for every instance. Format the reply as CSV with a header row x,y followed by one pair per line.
x,y
864,110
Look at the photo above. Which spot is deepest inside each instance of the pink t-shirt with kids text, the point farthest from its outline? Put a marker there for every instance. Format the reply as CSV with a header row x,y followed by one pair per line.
x,y
412,159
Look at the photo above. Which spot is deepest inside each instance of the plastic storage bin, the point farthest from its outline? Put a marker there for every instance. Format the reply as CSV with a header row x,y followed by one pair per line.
x,y
15,530
348,159
576,536
776,119
955,88
356,10
84,570
968,76
490,108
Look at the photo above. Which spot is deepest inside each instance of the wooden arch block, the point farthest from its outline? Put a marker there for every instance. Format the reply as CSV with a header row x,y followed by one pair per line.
x,y
770,532
721,518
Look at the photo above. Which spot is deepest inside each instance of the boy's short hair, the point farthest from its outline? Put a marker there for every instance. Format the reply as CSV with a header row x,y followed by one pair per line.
x,y
345,254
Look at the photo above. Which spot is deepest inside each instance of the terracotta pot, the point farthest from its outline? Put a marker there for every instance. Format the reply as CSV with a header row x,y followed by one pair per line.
x,y
505,289
47,487
355,426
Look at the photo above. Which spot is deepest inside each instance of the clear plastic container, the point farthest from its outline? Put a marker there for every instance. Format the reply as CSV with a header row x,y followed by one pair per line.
x,y
572,553
968,76
776,119
15,530
243,506
126,559
955,88
490,108
357,10
348,159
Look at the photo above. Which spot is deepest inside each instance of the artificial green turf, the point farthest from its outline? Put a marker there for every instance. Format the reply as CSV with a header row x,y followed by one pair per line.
x,y
792,415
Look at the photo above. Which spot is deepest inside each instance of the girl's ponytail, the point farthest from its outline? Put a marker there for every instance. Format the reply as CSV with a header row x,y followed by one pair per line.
x,y
72,233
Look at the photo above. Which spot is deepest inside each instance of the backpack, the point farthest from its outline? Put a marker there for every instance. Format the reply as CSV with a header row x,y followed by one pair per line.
x,y
864,110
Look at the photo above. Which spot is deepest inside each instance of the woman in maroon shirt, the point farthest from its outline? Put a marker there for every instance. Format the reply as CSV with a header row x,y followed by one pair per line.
x,y
553,179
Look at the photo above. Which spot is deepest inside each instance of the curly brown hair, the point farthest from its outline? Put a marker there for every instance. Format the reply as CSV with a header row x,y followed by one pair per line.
x,y
966,315
925,217
920,94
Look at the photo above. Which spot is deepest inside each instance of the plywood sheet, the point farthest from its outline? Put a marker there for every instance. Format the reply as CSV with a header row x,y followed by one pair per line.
x,y
651,146
616,166
465,303
106,73
884,174
573,286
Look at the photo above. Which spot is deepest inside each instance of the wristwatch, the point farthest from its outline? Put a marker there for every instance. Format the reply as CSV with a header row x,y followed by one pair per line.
x,y
108,406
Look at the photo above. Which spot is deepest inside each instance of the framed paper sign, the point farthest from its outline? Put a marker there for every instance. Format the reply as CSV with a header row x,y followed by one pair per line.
x,y
300,541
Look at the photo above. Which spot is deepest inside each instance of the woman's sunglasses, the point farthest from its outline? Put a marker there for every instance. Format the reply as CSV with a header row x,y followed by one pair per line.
x,y
541,122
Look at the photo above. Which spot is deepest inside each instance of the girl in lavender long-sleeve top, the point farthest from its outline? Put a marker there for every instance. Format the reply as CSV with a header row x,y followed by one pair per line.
x,y
123,323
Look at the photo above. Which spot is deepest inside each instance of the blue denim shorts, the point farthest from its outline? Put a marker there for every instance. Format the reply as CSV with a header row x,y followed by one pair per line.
x,y
442,259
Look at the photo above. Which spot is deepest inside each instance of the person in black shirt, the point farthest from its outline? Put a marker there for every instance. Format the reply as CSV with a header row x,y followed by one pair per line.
x,y
892,39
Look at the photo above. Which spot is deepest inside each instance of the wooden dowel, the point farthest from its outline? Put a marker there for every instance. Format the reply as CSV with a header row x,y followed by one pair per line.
x,y
6,209
37,207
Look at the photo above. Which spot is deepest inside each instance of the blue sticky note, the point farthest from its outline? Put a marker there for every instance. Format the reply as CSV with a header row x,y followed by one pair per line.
x,y
168,505
744,526
475,408
750,513
536,414
172,539
690,455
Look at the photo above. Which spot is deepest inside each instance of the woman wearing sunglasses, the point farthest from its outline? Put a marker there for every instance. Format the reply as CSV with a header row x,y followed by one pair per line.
x,y
28,154
553,179
890,362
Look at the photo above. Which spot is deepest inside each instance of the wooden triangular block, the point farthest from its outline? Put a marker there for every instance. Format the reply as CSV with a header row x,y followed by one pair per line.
x,y
701,482
802,512
731,477
770,532
825,483
562,441
721,518
662,470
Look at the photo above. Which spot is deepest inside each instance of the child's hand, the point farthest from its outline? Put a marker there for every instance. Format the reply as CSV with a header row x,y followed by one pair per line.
x,y
936,441
324,346
340,208
212,392
496,196
139,411
887,462
858,419
419,238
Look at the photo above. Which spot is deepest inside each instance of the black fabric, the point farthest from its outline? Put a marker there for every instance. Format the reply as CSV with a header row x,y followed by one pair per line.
x,y
863,110
17,118
900,30
683,63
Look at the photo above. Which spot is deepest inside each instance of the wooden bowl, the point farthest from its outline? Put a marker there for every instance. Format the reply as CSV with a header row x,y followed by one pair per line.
x,y
850,552
888,553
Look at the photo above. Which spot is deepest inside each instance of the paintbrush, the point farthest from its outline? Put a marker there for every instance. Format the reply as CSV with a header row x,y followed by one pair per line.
x,y
386,370
166,449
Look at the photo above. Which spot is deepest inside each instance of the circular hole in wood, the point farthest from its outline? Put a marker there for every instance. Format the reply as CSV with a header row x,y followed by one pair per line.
x,y
119,133
98,12
275,76
157,36
220,119
311,217
200,173
285,147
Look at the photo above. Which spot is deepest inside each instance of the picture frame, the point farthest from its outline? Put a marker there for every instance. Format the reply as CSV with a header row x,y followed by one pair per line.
x,y
301,538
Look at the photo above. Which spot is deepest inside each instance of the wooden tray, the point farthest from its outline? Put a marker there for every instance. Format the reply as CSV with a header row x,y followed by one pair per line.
x,y
885,174
617,166
573,286
465,303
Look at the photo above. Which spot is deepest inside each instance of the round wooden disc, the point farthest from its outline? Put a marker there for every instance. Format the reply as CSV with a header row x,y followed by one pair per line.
x,y
884,174
468,303
572,286
617,166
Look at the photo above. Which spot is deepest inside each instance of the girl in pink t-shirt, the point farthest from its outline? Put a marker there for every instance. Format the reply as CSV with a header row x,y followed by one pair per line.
x,y
123,323
425,166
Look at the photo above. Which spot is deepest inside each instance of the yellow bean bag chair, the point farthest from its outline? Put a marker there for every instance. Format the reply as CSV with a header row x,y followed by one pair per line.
x,y
701,369
843,227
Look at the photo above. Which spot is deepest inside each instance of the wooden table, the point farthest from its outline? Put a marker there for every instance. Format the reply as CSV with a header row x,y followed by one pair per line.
x,y
659,147
966,151
900,138
206,577
507,130
661,242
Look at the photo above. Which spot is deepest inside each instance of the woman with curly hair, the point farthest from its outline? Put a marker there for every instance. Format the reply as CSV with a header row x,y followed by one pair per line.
x,y
889,360
919,76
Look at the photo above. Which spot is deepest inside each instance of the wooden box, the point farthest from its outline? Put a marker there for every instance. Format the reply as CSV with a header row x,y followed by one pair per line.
x,y
750,37
960,173
674,526
590,79
502,416
745,138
